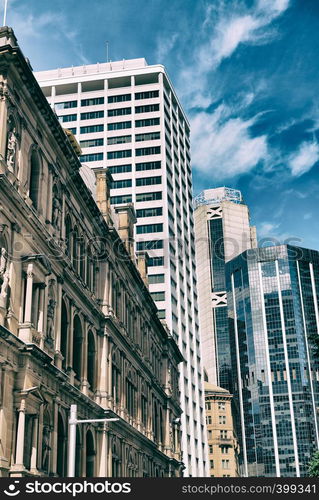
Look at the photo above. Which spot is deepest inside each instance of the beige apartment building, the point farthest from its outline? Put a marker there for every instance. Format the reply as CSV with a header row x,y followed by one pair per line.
x,y
77,322
222,441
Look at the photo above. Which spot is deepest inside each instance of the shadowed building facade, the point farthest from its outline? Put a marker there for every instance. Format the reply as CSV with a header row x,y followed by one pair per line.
x,y
273,313
77,322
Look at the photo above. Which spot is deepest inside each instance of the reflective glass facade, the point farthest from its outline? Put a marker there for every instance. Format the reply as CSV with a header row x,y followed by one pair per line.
x,y
273,310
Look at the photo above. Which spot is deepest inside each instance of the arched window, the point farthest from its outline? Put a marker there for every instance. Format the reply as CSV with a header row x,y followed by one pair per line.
x,y
116,372
64,334
77,347
91,371
82,258
68,235
61,447
75,249
34,179
90,454
78,452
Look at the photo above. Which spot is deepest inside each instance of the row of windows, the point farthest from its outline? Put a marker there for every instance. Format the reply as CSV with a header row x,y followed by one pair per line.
x,y
128,97
127,153
91,143
149,228
152,136
111,126
158,296
143,181
120,169
150,245
127,198
100,100
156,278
149,212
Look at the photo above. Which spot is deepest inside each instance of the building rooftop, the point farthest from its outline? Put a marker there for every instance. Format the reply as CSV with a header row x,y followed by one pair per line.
x,y
216,195
214,388
92,69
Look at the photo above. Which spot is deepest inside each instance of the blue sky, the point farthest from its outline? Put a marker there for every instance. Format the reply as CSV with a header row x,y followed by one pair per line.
x,y
247,74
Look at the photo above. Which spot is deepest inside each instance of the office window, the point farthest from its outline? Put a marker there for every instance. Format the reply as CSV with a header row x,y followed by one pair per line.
x,y
149,196
223,435
147,108
211,447
208,419
207,405
211,464
158,296
120,169
149,228
91,128
222,419
156,278
66,105
155,261
151,136
147,122
93,101
225,464
119,140
222,406
149,212
124,183
119,125
113,155
148,181
210,434
67,118
126,198
150,245
91,157
119,112
150,94
91,143
161,313
148,165
119,98
224,449
156,150
92,115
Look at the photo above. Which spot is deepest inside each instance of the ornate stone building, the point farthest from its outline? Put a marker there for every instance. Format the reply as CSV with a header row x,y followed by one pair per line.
x,y
222,440
77,322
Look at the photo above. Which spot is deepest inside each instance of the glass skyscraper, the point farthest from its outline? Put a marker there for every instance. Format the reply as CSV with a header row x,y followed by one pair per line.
x,y
222,228
273,312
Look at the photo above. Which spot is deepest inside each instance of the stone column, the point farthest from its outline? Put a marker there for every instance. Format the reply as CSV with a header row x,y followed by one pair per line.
x,y
104,458
28,298
34,449
54,439
84,374
20,435
40,325
57,326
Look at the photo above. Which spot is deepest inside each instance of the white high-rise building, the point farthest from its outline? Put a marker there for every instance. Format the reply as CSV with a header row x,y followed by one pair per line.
x,y
223,231
126,116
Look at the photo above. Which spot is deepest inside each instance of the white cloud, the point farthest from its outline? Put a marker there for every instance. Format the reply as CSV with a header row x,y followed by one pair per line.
x,y
164,47
266,229
304,158
222,146
51,26
308,216
225,30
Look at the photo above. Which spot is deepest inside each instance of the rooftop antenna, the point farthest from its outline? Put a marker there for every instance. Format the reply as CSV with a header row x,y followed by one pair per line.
x,y
5,12
107,51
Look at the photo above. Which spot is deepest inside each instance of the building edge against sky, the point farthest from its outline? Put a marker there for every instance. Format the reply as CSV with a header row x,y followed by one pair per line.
x,y
273,303
127,117
222,229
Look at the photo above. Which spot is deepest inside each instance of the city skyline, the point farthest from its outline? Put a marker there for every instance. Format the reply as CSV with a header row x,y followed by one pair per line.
x,y
259,130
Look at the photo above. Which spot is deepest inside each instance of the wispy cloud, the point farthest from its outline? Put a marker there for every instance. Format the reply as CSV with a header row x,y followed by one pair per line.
x,y
224,31
223,146
51,26
304,158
